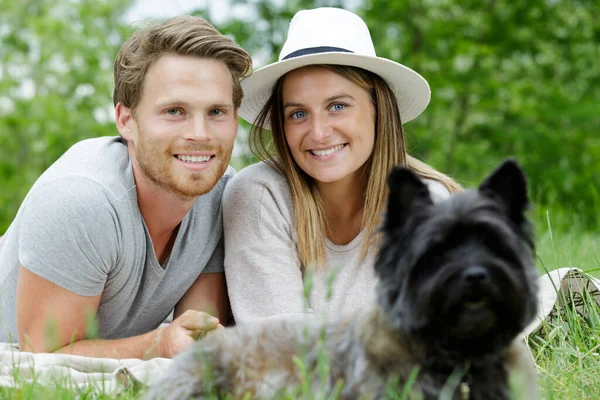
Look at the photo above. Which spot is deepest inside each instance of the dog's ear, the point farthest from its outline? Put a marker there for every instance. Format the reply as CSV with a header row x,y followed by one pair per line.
x,y
508,184
406,192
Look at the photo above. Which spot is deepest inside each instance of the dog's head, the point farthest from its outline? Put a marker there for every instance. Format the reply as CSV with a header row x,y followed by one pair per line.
x,y
460,273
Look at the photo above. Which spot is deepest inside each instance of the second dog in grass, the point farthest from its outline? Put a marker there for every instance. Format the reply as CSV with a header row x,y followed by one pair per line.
x,y
457,284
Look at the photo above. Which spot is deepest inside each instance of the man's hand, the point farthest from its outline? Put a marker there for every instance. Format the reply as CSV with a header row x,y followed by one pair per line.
x,y
184,331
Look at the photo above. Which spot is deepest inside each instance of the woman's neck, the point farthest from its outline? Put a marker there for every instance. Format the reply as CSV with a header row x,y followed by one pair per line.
x,y
343,203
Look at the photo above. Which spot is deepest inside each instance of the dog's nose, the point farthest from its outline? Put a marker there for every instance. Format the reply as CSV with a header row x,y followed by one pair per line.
x,y
475,275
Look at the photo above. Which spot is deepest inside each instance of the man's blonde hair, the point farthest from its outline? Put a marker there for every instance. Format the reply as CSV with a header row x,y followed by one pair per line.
x,y
184,35
389,150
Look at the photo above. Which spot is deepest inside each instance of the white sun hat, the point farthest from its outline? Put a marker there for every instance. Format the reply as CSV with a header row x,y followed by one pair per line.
x,y
333,36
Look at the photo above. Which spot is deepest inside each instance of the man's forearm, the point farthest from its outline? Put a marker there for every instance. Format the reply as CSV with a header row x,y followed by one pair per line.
x,y
143,346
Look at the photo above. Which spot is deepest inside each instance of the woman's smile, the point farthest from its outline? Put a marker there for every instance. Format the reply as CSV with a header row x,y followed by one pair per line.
x,y
327,153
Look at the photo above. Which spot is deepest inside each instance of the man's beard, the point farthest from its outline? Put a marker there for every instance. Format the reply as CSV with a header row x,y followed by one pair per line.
x,y
158,166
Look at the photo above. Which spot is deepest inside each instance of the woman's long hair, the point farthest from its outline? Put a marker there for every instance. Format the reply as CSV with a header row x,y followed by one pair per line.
x,y
389,150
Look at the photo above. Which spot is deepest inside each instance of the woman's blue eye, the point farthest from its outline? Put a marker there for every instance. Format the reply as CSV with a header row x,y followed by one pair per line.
x,y
298,114
338,107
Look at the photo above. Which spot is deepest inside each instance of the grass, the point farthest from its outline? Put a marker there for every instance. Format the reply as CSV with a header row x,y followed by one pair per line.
x,y
567,245
566,351
59,392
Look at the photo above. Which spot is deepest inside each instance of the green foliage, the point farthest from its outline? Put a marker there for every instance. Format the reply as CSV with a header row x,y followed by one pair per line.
x,y
56,62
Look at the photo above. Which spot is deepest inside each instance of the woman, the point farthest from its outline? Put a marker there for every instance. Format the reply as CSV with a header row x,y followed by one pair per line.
x,y
303,223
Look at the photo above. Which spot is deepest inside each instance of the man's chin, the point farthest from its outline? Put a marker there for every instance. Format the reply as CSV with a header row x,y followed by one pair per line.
x,y
193,188
194,184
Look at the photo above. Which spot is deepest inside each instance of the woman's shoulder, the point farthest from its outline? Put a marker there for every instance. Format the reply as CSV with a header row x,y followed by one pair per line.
x,y
256,193
252,179
258,171
437,190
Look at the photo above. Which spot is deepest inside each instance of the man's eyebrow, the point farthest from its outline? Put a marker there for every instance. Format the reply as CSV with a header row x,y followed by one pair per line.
x,y
222,105
181,103
171,103
327,100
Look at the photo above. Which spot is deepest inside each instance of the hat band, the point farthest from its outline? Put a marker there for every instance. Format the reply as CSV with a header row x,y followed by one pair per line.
x,y
315,50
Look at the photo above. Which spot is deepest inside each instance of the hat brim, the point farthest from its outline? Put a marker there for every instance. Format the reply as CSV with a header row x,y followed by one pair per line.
x,y
411,89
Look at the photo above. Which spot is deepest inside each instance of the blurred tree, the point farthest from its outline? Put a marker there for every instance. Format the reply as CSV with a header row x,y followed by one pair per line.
x,y
56,60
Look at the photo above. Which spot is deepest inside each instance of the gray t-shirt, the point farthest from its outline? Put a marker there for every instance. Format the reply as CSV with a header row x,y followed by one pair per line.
x,y
80,227
262,266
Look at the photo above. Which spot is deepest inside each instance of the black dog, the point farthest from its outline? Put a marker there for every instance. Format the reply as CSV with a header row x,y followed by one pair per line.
x,y
458,279
457,284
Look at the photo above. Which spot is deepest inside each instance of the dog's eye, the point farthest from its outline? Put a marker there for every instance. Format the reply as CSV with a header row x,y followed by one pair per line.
x,y
497,245
428,263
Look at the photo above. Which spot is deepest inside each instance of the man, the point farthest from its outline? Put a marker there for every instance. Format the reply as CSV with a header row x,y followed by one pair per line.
x,y
122,230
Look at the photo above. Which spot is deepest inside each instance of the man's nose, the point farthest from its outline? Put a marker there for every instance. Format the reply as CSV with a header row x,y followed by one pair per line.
x,y
198,129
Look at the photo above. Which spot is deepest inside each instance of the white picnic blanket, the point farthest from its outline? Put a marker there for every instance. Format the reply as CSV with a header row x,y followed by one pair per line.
x,y
564,286
108,375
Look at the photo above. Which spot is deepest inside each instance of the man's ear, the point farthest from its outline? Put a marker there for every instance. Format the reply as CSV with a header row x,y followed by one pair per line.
x,y
126,124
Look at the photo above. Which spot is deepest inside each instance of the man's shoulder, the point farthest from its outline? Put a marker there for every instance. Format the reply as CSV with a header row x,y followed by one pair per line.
x,y
103,160
103,149
90,177
71,198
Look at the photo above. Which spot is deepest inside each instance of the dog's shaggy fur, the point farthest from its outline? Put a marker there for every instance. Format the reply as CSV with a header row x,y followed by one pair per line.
x,y
457,285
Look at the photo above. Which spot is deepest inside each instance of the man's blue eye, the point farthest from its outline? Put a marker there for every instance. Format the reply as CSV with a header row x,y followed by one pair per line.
x,y
338,107
298,114
173,111
216,112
